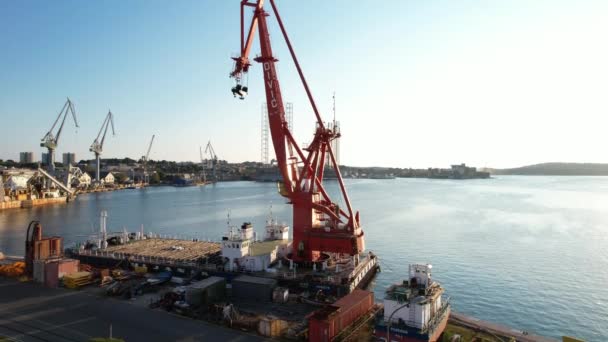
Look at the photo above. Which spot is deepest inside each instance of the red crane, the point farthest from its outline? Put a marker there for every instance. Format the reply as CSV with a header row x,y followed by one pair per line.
x,y
319,224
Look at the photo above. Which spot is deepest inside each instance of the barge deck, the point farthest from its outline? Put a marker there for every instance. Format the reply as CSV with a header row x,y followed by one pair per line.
x,y
186,258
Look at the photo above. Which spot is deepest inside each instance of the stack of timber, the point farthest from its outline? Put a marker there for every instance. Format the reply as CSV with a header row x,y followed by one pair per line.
x,y
168,249
77,279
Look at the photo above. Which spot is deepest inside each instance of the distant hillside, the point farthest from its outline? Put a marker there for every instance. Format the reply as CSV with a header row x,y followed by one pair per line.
x,y
556,169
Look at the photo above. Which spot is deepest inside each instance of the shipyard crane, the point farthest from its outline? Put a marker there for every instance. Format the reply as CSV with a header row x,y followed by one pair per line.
x,y
97,146
203,165
145,160
212,161
50,139
320,225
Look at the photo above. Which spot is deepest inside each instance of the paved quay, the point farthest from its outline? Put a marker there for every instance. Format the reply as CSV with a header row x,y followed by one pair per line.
x,y
495,329
31,312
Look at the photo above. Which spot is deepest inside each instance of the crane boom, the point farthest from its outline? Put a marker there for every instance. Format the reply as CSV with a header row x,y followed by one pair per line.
x,y
150,147
110,121
145,160
209,149
97,145
212,161
319,224
73,112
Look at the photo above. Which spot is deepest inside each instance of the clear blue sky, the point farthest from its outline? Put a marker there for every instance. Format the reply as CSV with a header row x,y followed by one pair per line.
x,y
418,83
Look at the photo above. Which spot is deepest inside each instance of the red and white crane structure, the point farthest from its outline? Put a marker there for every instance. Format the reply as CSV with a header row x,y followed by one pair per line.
x,y
319,224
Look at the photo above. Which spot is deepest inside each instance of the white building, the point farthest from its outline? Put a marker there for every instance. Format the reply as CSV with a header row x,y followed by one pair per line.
x,y
83,181
107,178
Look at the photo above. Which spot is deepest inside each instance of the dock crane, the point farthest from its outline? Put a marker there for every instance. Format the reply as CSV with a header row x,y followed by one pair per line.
x,y
97,146
212,161
203,165
320,226
145,160
50,139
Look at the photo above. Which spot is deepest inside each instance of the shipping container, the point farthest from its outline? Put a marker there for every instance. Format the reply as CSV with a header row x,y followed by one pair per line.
x,y
325,324
206,291
253,288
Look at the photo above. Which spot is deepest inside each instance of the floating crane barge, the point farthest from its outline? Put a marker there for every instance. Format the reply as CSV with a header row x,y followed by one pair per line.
x,y
267,259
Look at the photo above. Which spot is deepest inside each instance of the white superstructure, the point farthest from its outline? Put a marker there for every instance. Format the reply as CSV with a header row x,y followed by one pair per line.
x,y
276,230
236,243
243,253
415,302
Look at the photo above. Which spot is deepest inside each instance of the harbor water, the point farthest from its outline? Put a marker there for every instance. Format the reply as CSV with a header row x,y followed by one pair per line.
x,y
527,252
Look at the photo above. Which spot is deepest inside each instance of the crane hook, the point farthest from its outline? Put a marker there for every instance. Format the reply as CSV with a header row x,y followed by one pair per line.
x,y
239,89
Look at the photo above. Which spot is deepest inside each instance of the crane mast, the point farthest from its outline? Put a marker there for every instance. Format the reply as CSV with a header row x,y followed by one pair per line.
x,y
51,140
320,225
97,146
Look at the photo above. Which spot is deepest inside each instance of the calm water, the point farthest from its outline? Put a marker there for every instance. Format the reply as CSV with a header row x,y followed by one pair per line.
x,y
527,252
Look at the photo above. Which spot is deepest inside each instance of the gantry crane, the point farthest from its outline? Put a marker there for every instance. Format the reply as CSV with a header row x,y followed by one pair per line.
x,y
145,160
97,146
319,224
50,139
212,161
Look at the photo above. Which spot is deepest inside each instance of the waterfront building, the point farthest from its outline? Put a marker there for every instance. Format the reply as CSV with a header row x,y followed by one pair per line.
x,y
107,177
26,157
83,181
69,158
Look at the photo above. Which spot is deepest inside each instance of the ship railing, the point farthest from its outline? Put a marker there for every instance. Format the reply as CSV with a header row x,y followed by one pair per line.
x,y
139,258
360,266
437,318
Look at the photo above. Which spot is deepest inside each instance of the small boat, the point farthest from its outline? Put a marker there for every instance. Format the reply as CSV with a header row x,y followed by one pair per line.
x,y
414,310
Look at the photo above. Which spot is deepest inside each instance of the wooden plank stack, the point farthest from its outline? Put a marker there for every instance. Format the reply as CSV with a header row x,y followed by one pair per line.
x,y
77,279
